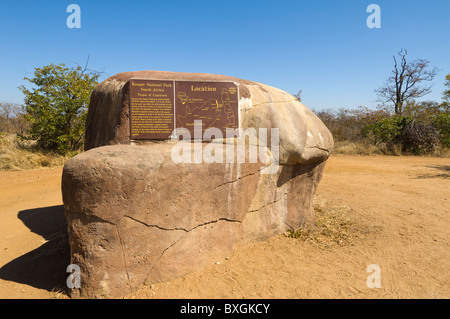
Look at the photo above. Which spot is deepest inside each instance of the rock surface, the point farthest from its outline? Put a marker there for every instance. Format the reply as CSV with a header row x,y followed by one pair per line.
x,y
303,137
136,216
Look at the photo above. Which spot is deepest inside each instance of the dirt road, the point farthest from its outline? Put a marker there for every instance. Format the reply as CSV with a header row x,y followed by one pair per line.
x,y
400,208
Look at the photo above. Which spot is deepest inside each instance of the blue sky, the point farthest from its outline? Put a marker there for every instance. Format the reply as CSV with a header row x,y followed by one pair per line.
x,y
321,47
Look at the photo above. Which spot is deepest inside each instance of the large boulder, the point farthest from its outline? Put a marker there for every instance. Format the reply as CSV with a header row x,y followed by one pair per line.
x,y
135,216
303,137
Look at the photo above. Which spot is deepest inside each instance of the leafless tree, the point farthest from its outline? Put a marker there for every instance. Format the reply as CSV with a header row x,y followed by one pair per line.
x,y
404,83
9,114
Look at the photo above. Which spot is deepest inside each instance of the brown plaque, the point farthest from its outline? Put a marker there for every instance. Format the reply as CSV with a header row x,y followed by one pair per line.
x,y
158,107
151,109
214,103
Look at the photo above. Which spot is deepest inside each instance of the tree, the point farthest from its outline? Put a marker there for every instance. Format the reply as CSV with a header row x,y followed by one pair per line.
x,y
9,113
422,111
441,120
404,83
385,130
447,84
56,107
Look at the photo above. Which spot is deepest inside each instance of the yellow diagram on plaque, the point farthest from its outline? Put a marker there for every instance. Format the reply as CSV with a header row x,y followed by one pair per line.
x,y
211,113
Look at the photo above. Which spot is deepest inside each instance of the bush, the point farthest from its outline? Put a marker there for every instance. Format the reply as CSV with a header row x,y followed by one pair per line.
x,y
346,125
424,127
56,108
385,130
414,136
441,122
418,138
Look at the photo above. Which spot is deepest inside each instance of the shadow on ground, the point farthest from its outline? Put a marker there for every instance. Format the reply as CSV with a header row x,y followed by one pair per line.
x,y
44,267
442,171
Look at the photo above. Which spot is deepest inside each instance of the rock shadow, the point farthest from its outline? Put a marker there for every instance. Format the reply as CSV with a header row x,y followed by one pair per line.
x,y
43,267
290,172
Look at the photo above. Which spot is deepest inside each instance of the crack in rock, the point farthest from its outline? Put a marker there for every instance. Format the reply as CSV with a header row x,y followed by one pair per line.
x,y
271,203
175,242
124,258
319,148
234,181
159,257
184,229
98,219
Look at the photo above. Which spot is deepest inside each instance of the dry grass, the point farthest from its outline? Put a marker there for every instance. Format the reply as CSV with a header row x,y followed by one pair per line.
x,y
354,148
334,227
17,155
359,148
60,293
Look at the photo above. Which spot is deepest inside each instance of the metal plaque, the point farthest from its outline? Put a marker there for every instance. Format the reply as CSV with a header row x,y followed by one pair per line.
x,y
158,107
151,109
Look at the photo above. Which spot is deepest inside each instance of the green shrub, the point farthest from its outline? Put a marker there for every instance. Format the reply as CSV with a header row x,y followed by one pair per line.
x,y
441,122
56,107
385,130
